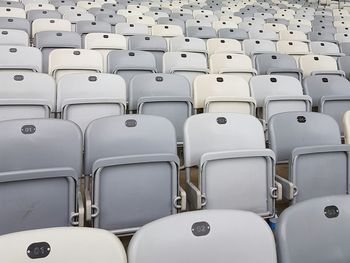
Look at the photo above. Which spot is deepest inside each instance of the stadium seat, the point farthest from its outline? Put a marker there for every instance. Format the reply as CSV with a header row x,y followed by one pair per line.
x,y
326,236
311,142
40,162
12,58
319,64
232,141
13,37
133,165
59,244
197,233
82,98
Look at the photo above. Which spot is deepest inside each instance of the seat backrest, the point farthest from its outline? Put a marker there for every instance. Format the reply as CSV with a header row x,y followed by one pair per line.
x,y
218,85
186,61
317,63
36,14
224,131
62,61
11,58
324,48
167,30
325,220
187,44
105,41
15,23
319,86
161,85
75,17
263,86
26,94
256,46
292,47
267,34
12,12
321,36
203,231
49,24
227,62
100,91
222,45
233,33
128,29
290,130
59,245
203,32
126,135
264,63
13,37
292,35
112,19
85,27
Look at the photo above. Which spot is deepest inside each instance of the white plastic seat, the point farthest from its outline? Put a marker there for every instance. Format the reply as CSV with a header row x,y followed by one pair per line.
x,y
293,35
318,64
223,45
127,29
20,58
47,24
253,47
13,37
12,12
59,245
67,61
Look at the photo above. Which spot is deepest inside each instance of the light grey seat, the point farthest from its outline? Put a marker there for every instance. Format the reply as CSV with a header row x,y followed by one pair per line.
x,y
201,32
26,95
344,65
315,231
171,21
155,44
167,95
238,235
114,6
36,14
267,34
12,58
85,27
47,41
84,97
111,19
188,44
277,64
311,142
133,165
15,23
59,245
99,10
129,63
323,88
58,3
128,29
253,47
325,48
233,33
12,4
181,16
40,167
186,64
13,37
277,93
233,142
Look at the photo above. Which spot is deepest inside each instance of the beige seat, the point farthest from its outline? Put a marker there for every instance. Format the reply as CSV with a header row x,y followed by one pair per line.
x,y
234,64
37,6
12,12
145,20
318,64
224,24
293,35
105,42
222,93
293,48
140,8
167,31
126,13
67,61
48,24
275,27
88,4
223,45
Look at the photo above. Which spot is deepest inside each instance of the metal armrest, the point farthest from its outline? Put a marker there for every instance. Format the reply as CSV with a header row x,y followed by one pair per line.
x,y
280,70
230,70
333,72
154,99
69,102
326,99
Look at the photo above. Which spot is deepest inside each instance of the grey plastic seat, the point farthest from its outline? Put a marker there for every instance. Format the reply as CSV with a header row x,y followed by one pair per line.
x,y
133,165
188,44
277,93
277,21
171,21
205,231
13,37
128,29
113,6
186,64
26,95
47,41
277,64
129,63
263,34
322,88
166,95
36,14
311,142
181,16
344,65
200,32
233,33
233,142
99,10
325,48
58,3
59,245
253,47
321,36
345,48
11,58
324,29
11,4
111,19
155,44
82,98
15,23
327,236
85,27
41,161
